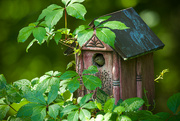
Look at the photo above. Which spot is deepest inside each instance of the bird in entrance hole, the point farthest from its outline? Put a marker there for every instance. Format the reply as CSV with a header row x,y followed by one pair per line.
x,y
99,60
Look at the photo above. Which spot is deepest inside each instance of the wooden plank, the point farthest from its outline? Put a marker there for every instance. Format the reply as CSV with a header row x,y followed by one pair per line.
x,y
148,76
128,79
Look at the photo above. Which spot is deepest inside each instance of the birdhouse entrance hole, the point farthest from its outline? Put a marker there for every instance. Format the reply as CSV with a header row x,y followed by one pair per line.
x,y
98,60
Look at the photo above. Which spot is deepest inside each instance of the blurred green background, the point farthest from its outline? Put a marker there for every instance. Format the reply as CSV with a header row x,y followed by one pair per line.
x,y
162,16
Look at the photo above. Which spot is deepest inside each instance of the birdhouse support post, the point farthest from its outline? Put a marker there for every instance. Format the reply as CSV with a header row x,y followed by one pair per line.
x,y
116,77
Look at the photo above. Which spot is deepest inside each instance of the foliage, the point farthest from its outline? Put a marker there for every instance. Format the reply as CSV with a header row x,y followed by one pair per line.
x,y
45,98
44,29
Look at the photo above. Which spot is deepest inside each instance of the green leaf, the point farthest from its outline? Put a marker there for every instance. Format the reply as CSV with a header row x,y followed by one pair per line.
x,y
26,110
124,118
74,84
91,82
13,118
34,24
70,64
99,117
76,10
23,85
3,111
107,116
132,104
101,19
80,28
73,116
57,37
114,25
64,30
36,97
46,82
52,18
48,11
13,95
24,33
109,105
39,113
106,35
68,75
90,105
119,109
67,95
30,44
84,36
65,2
85,99
76,1
174,102
69,109
39,33
163,115
53,93
54,110
84,115
2,81
91,70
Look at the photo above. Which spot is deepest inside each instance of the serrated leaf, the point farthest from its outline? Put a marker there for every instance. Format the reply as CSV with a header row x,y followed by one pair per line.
x,y
46,82
109,105
68,75
106,35
65,2
91,82
114,25
74,84
70,64
57,37
53,93
26,110
85,99
84,36
91,70
30,44
80,28
36,97
54,110
48,11
76,10
3,111
24,33
90,105
132,104
13,95
76,1
101,19
54,17
39,33
84,115
39,113
69,109
174,102
73,116
23,84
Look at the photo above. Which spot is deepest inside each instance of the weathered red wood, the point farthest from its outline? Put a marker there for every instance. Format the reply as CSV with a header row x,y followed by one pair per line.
x,y
128,79
148,76
115,75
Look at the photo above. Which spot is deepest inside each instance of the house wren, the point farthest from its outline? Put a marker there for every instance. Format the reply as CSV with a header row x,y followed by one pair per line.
x,y
99,60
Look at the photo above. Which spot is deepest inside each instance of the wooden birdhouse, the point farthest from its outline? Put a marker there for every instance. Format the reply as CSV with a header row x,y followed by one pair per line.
x,y
128,69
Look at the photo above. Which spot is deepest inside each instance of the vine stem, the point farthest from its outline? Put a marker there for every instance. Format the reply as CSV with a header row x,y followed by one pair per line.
x,y
12,108
65,23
